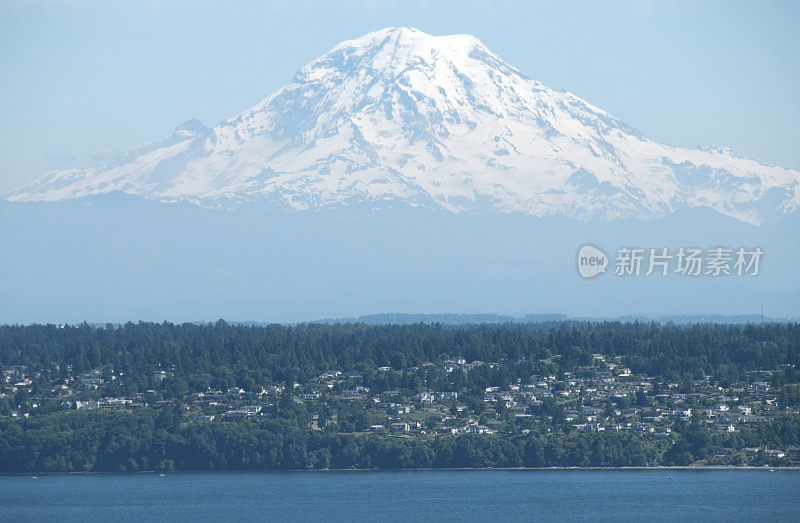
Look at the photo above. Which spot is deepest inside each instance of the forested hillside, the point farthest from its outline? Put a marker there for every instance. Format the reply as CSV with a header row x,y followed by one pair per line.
x,y
152,396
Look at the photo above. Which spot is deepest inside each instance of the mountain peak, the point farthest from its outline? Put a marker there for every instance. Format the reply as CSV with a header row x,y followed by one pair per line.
x,y
393,50
409,37
191,128
399,115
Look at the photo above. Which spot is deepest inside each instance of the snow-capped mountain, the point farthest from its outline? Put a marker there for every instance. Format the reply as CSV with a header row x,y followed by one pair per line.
x,y
436,121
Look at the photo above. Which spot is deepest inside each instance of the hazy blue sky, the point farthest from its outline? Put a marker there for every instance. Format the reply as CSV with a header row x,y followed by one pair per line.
x,y
81,81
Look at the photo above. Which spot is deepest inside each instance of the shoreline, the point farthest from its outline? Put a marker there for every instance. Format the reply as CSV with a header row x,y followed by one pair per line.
x,y
506,469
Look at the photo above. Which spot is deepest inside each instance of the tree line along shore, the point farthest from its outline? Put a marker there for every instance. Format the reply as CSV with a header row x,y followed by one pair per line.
x,y
220,396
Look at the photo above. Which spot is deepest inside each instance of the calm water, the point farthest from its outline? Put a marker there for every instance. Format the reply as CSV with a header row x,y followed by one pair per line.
x,y
396,496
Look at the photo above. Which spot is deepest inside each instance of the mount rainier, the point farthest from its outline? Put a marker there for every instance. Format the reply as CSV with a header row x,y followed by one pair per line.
x,y
400,116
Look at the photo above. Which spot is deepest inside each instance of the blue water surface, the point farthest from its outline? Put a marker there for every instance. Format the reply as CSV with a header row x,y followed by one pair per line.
x,y
481,495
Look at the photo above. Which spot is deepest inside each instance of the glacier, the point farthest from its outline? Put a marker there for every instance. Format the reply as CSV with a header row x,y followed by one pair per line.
x,y
402,118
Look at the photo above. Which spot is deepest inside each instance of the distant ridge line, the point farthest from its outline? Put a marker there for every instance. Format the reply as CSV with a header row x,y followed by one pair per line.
x,y
466,319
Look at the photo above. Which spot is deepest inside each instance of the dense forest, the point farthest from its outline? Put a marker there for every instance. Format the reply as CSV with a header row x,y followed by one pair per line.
x,y
150,396
281,353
